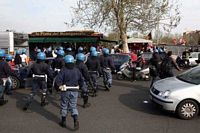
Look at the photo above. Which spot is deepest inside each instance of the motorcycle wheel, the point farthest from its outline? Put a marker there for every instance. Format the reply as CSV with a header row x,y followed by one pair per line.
x,y
120,76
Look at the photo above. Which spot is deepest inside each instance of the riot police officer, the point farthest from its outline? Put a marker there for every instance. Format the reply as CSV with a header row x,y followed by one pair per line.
x,y
93,65
40,70
49,52
80,58
80,50
69,90
58,62
107,66
4,74
69,51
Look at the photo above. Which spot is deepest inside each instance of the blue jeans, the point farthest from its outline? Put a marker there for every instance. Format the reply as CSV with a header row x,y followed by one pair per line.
x,y
69,103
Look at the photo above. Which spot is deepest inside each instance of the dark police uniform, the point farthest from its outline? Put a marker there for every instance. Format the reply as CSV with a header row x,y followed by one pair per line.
x,y
93,65
71,77
107,66
40,71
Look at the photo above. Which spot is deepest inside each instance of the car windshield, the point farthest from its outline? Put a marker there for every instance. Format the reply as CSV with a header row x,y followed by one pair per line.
x,y
191,76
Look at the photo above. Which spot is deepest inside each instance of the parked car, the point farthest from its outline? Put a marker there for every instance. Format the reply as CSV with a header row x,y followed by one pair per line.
x,y
180,94
120,59
193,57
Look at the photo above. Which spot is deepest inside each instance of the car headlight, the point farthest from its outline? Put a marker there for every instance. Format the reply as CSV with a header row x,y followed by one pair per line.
x,y
164,94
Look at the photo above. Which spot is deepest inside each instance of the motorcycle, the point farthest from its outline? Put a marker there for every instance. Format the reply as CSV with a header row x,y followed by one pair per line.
x,y
127,73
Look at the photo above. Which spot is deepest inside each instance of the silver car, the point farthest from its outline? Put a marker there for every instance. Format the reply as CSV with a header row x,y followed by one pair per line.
x,y
180,94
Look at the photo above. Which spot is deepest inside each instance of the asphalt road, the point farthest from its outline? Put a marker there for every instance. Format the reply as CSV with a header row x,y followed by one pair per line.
x,y
125,109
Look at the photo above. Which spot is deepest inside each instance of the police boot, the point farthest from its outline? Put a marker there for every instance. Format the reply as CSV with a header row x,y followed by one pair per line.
x,y
76,123
63,122
43,100
85,102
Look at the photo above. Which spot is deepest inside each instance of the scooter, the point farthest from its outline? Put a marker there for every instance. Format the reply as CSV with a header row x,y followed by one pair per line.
x,y
126,73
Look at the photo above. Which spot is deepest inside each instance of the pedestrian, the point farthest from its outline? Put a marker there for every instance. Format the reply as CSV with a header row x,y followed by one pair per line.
x,y
24,57
107,65
166,67
94,69
8,86
80,58
39,70
69,81
153,69
18,59
5,72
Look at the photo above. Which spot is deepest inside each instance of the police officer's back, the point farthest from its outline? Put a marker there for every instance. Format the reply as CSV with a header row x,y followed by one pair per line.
x,y
93,65
107,65
84,71
58,62
70,77
39,70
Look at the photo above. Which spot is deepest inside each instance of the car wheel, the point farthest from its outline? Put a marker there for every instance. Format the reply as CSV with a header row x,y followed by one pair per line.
x,y
120,76
187,109
15,82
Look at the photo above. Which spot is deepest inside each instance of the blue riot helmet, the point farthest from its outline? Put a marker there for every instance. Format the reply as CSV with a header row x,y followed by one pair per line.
x,y
41,56
23,51
49,49
92,49
61,48
94,54
69,59
80,50
9,57
2,53
60,52
39,50
80,57
69,49
105,51
19,52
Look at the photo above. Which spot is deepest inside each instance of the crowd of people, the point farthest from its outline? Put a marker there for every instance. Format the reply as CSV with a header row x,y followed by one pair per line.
x,y
161,65
72,74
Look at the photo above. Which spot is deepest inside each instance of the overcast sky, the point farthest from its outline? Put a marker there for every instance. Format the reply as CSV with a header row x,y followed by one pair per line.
x,y
49,15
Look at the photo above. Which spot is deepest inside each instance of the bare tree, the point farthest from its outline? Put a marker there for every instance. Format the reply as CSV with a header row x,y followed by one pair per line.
x,y
127,15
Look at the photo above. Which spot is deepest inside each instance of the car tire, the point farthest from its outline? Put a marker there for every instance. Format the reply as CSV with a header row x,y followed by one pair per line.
x,y
120,76
15,82
187,109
